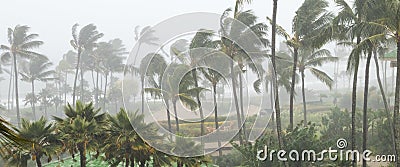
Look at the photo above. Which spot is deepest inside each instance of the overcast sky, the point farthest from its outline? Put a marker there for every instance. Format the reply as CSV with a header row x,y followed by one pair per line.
x,y
53,20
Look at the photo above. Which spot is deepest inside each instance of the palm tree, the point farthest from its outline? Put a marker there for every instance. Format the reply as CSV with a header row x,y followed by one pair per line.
x,y
122,135
145,36
275,84
347,21
20,46
310,28
235,36
80,129
85,40
215,74
385,20
309,60
65,66
42,137
36,69
8,137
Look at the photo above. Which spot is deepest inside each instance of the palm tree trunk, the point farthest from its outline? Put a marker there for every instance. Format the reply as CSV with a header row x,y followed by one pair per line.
x,y
168,115
65,87
82,82
353,106
9,87
176,116
82,155
241,106
216,117
142,92
239,120
277,107
76,76
194,75
365,106
16,89
97,89
397,97
388,115
304,98
38,162
105,92
34,99
293,84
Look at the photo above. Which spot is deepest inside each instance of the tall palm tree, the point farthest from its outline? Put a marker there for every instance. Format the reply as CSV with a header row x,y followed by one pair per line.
x,y
42,137
36,69
215,74
385,20
20,46
310,60
310,30
275,84
85,40
80,129
144,36
347,20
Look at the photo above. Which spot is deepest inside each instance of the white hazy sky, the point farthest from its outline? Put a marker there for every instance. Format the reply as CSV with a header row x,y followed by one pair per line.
x,y
53,20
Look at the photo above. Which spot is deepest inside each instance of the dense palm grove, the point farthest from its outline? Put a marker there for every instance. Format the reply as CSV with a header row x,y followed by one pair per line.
x,y
83,118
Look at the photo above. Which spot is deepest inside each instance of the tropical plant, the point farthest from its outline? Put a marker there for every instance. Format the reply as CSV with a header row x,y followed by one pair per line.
x,y
130,146
20,46
80,130
85,40
310,60
36,69
43,140
144,36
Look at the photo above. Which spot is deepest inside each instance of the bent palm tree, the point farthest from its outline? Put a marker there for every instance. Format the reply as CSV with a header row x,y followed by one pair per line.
x,y
36,69
309,60
85,40
20,46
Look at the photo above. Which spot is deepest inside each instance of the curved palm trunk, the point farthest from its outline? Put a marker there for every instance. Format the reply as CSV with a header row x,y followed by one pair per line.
x,y
142,93
388,115
38,162
239,120
196,85
176,116
241,106
277,107
168,116
82,81
304,98
397,98
76,77
216,116
365,106
16,89
292,85
34,99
